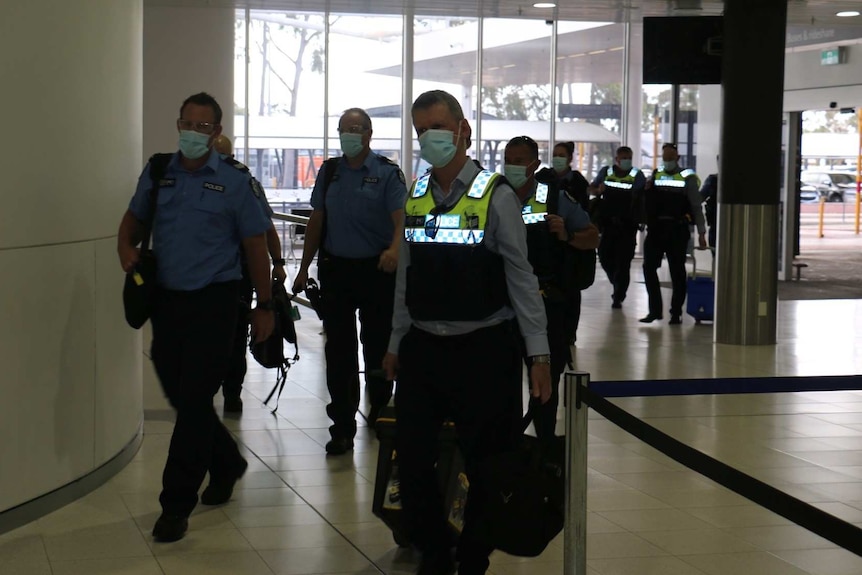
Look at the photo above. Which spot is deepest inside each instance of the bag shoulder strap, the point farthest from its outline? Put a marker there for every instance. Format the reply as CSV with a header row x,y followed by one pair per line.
x,y
158,166
330,166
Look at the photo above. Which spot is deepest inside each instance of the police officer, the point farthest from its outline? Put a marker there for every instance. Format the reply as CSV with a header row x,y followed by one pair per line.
x,y
672,204
551,223
206,211
463,277
232,385
570,180
620,188
357,224
709,197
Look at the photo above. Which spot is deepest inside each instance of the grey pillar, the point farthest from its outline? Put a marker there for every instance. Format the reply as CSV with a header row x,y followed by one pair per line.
x,y
753,90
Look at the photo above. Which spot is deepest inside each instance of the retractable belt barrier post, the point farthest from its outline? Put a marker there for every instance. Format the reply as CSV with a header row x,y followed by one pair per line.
x,y
575,529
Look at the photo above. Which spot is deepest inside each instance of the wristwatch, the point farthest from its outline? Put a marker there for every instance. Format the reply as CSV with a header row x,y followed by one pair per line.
x,y
265,305
541,359
278,261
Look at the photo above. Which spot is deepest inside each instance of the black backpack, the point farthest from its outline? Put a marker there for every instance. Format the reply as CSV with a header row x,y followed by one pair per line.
x,y
270,352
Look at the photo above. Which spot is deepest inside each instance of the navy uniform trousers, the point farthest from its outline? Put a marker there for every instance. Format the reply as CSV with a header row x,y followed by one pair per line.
x,y
475,380
348,285
562,324
670,238
616,252
192,336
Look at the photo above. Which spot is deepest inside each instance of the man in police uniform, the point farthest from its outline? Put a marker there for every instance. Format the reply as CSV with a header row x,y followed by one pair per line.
x,y
620,188
206,211
360,218
232,385
554,224
463,277
672,204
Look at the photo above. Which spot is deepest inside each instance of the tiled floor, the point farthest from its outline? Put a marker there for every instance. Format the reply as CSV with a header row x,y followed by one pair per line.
x,y
299,512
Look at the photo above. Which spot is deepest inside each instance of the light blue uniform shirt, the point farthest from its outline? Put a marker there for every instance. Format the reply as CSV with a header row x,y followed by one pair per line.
x,y
506,235
359,206
201,219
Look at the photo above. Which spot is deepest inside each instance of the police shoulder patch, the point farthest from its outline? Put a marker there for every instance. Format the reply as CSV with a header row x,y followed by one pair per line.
x,y
256,188
401,177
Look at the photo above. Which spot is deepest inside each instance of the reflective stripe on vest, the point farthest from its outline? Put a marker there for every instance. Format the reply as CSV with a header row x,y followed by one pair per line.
x,y
464,224
665,180
535,210
623,183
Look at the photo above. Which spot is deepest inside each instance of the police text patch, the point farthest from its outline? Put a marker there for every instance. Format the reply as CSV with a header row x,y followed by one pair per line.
x,y
214,187
370,180
167,183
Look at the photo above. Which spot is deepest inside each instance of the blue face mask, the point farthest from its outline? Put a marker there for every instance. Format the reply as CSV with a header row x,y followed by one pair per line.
x,y
517,175
670,165
560,164
351,144
437,147
626,165
193,144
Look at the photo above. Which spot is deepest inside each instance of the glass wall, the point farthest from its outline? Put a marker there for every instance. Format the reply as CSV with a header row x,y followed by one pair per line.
x,y
296,72
516,86
589,85
281,103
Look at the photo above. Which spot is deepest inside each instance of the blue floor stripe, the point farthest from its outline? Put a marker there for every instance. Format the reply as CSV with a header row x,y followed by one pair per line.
x,y
726,385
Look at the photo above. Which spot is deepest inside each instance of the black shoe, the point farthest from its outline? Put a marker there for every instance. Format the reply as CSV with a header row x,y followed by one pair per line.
x,y
675,320
339,445
220,490
170,528
617,304
232,404
649,319
436,564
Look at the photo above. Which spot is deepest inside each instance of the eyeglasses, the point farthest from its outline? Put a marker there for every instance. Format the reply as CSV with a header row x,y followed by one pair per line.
x,y
202,127
353,130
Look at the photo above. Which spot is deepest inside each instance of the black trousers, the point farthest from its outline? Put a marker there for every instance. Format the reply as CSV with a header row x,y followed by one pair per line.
x,y
474,379
348,286
562,323
192,337
669,239
237,365
616,252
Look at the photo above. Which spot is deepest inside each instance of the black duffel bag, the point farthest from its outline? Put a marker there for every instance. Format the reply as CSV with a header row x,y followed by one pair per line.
x,y
522,505
138,290
140,284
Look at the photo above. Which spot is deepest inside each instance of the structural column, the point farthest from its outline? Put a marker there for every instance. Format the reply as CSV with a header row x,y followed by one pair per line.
x,y
749,189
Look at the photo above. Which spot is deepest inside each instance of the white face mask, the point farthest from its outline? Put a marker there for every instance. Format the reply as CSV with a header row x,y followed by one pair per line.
x,y
438,147
559,164
517,175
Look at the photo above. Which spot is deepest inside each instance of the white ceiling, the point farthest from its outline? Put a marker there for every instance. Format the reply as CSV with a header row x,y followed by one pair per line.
x,y
800,12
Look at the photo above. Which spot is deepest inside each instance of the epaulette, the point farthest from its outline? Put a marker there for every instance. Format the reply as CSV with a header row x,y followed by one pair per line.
x,y
386,160
235,163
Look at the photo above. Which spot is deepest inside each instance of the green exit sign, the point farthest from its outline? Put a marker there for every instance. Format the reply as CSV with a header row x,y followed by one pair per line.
x,y
832,57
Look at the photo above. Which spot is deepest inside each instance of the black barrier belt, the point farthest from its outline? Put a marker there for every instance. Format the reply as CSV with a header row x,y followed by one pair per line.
x,y
815,520
726,385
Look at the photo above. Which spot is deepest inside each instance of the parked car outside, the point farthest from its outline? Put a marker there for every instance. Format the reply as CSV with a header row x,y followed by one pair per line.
x,y
834,186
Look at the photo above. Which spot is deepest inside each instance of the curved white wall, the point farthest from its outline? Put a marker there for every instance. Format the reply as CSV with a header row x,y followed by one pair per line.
x,y
70,368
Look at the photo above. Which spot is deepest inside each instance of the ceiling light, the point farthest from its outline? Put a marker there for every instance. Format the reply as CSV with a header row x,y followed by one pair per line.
x,y
847,14
544,5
